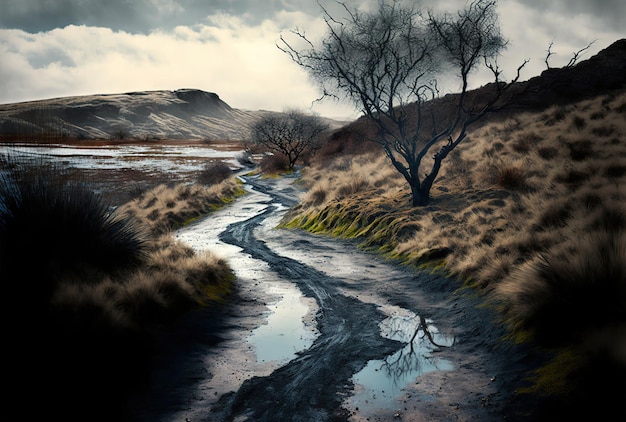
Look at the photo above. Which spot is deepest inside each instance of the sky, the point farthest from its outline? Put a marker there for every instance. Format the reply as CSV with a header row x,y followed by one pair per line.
x,y
58,48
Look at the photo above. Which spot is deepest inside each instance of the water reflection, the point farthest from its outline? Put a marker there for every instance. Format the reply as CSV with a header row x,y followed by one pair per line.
x,y
285,332
381,382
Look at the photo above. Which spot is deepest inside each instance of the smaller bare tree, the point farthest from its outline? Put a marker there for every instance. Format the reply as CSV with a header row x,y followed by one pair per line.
x,y
290,133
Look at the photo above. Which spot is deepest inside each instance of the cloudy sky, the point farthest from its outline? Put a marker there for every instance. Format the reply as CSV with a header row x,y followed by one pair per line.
x,y
57,48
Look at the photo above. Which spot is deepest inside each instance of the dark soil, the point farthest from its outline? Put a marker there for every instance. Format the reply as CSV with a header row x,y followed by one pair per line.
x,y
314,386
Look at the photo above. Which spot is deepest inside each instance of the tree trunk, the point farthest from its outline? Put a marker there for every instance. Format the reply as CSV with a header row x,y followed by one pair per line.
x,y
420,195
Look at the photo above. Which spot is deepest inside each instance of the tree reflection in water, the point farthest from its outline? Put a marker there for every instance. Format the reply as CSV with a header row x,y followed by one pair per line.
x,y
422,339
380,383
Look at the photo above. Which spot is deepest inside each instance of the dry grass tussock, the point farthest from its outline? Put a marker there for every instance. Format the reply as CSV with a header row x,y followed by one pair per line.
x,y
526,210
96,284
168,207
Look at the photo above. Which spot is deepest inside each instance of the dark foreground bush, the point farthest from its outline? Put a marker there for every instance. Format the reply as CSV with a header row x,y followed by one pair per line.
x,y
51,228
572,303
88,293
564,296
71,362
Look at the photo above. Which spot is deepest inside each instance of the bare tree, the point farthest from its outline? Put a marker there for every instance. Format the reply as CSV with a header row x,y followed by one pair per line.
x,y
289,134
390,64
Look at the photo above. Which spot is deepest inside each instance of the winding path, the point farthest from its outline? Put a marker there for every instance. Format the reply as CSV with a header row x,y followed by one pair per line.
x,y
209,377
308,387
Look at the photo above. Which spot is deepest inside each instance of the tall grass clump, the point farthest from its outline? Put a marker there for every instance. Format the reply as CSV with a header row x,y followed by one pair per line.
x,y
562,296
571,301
87,288
511,177
52,227
52,230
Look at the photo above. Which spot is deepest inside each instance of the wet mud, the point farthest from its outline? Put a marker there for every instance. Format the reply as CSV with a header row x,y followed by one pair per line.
x,y
382,341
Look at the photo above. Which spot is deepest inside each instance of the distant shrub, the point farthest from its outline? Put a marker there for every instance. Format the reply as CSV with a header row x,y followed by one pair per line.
x,y
340,164
556,114
511,125
621,108
344,142
120,134
317,195
573,177
214,173
352,186
511,177
244,158
603,131
137,189
555,214
590,199
579,122
580,150
547,153
615,170
525,142
274,163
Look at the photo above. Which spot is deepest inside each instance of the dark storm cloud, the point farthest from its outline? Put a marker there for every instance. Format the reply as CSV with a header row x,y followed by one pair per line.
x,y
136,15
611,14
42,15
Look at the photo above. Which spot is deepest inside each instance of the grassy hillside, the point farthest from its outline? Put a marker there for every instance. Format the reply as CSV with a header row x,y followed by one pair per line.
x,y
531,212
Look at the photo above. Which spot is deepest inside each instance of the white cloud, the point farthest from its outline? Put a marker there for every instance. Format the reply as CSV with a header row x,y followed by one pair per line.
x,y
240,63
238,59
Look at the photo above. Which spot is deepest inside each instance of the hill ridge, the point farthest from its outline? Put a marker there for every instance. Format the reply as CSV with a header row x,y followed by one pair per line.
x,y
185,113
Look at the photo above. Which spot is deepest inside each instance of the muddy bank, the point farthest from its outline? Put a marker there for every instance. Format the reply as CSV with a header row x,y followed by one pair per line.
x,y
213,377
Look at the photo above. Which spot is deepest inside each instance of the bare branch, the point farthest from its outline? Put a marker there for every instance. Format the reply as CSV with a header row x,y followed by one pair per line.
x,y
576,54
549,54
572,61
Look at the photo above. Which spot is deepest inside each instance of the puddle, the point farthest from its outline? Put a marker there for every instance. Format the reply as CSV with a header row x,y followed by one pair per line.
x,y
381,382
289,325
287,330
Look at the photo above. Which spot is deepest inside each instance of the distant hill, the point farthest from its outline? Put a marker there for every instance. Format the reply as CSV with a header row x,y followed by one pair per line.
x,y
180,114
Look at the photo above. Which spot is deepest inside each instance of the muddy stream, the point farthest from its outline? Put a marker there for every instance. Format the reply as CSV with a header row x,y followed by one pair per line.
x,y
321,331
